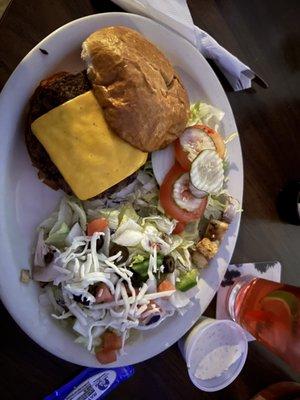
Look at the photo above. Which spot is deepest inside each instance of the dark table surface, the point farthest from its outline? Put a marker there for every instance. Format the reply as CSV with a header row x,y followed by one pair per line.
x,y
265,35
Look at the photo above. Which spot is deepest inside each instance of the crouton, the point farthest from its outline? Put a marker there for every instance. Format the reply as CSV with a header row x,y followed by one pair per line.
x,y
207,248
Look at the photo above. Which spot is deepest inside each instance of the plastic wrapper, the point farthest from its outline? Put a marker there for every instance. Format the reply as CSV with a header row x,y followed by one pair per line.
x,y
92,384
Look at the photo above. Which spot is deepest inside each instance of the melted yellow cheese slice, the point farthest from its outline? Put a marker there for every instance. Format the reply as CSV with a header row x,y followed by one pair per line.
x,y
90,157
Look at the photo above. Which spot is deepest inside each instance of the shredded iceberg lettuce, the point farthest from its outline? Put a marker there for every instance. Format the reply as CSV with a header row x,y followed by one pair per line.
x,y
61,222
203,113
58,236
127,212
79,214
215,206
112,217
48,223
163,223
191,232
74,232
64,215
182,256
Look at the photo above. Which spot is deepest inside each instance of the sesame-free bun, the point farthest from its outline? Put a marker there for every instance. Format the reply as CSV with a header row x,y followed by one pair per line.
x,y
142,97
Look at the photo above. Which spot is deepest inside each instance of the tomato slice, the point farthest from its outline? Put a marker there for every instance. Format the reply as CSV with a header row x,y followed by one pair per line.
x,y
111,341
97,225
179,228
181,156
216,137
165,285
106,356
168,203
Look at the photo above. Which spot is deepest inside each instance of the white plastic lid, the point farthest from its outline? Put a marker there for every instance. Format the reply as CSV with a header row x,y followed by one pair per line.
x,y
214,335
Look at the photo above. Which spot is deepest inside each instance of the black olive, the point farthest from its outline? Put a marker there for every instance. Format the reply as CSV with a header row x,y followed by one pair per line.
x,y
124,253
81,299
62,303
49,257
153,319
93,289
80,249
169,264
43,284
99,243
136,280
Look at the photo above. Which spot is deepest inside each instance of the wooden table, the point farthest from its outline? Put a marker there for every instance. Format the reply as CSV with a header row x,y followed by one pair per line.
x,y
265,35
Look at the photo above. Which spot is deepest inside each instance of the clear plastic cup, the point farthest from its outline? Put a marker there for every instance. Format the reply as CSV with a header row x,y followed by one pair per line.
x,y
209,337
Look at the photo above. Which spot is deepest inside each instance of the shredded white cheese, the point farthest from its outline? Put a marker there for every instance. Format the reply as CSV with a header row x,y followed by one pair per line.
x,y
80,266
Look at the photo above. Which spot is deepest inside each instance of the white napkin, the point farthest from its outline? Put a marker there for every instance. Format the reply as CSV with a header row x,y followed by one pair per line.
x,y
175,14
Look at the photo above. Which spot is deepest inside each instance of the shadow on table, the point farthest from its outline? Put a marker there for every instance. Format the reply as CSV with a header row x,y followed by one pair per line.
x,y
105,6
291,52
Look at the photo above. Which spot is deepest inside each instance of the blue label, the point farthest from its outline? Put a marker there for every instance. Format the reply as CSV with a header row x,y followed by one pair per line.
x,y
92,384
93,387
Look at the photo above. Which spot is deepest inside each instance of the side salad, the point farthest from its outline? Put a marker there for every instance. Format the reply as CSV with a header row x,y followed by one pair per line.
x,y
128,260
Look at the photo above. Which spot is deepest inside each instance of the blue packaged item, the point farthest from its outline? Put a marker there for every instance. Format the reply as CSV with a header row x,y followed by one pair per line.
x,y
92,384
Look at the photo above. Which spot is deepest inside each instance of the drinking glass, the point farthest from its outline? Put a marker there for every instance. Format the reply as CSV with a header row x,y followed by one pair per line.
x,y
270,311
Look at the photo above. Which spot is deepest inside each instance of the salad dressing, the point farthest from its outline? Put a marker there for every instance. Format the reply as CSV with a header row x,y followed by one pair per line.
x,y
216,362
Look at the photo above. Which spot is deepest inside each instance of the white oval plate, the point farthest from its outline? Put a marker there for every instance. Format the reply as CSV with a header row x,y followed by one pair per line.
x,y
25,201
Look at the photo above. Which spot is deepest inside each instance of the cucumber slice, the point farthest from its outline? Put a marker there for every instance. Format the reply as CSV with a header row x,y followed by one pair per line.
x,y
197,193
207,174
183,196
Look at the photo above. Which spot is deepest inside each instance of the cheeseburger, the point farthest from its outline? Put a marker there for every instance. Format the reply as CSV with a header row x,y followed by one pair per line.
x,y
90,131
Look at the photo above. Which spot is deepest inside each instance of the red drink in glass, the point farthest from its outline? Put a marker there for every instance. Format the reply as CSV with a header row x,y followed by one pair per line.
x,y
270,311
